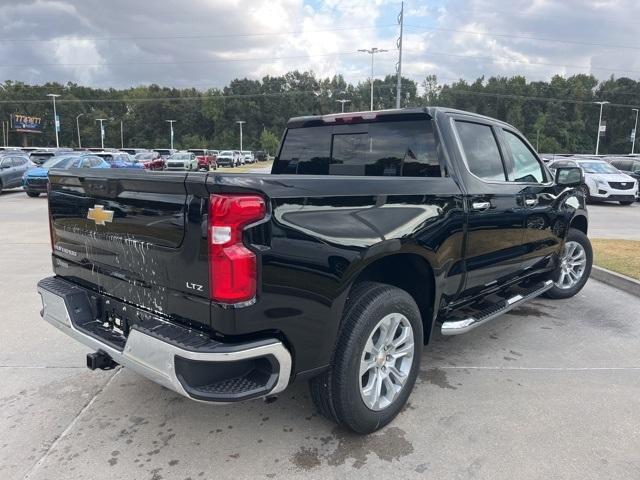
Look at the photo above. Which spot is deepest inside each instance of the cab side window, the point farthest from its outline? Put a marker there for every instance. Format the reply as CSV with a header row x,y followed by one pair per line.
x,y
526,167
481,150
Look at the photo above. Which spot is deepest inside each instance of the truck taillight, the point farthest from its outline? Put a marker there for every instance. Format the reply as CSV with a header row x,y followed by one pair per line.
x,y
232,266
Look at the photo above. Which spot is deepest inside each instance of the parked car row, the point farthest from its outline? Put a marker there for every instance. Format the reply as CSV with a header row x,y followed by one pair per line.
x,y
607,179
36,180
28,167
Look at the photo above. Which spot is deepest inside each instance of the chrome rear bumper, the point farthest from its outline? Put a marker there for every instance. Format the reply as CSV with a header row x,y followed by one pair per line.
x,y
155,358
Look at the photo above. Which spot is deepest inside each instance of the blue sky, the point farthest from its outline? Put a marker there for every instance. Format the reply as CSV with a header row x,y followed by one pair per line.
x,y
206,43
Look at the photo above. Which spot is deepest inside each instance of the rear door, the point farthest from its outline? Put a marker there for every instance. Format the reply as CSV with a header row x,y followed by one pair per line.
x,y
11,172
495,222
133,236
21,166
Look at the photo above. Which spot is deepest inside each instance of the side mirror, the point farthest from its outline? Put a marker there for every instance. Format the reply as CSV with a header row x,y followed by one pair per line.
x,y
569,176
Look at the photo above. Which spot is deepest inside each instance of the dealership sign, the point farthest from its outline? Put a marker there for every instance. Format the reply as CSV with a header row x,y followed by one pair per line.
x,y
26,123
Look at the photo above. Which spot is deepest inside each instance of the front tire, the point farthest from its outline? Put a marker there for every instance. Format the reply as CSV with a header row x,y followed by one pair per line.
x,y
575,267
33,194
626,203
376,359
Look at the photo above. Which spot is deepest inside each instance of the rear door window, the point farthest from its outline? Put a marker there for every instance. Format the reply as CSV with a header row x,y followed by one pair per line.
x,y
481,150
385,148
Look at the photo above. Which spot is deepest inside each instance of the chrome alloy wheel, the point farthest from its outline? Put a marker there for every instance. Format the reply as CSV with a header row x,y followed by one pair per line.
x,y
572,265
386,361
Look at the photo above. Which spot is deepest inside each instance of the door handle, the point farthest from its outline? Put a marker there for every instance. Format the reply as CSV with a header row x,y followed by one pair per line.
x,y
531,202
481,206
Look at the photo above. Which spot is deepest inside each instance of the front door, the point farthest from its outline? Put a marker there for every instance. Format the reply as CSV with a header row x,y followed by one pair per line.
x,y
545,223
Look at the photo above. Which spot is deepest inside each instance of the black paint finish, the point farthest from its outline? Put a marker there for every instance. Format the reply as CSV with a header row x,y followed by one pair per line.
x,y
321,234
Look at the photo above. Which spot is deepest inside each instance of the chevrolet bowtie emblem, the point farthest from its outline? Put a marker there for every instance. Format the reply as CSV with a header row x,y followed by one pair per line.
x,y
99,215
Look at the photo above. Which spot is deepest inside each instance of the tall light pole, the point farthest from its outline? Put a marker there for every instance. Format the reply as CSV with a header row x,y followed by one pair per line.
x,y
635,130
372,51
101,131
171,122
399,66
240,122
78,129
599,125
343,102
56,122
121,135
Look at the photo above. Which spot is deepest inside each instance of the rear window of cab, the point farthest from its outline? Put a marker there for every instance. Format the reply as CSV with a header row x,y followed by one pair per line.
x,y
405,148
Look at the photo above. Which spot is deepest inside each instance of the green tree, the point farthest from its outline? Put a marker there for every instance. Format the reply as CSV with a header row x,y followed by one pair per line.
x,y
269,142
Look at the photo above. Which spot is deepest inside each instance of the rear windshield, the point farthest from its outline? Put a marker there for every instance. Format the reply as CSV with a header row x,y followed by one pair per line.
x,y
396,148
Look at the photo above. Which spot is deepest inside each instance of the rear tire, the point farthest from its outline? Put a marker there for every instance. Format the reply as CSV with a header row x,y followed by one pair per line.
x,y
33,194
339,393
574,236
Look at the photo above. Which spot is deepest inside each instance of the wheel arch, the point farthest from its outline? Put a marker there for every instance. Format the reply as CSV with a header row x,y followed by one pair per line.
x,y
408,271
580,222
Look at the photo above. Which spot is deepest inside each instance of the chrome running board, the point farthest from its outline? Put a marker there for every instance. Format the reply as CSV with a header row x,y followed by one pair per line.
x,y
458,327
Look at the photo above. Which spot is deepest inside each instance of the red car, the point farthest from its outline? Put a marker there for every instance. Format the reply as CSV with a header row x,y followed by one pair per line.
x,y
151,160
207,159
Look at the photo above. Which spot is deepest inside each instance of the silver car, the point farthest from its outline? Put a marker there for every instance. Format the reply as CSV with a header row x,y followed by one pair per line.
x,y
13,165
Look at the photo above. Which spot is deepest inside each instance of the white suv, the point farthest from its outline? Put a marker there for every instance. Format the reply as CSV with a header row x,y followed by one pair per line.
x,y
603,181
248,156
182,161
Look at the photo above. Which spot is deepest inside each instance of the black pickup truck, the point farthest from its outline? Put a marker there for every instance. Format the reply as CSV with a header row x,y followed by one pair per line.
x,y
372,230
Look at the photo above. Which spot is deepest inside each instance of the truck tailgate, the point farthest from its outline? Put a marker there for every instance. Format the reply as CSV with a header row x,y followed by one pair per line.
x,y
132,235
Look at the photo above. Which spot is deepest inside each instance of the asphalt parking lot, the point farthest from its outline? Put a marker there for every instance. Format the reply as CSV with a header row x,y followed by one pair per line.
x,y
612,220
551,390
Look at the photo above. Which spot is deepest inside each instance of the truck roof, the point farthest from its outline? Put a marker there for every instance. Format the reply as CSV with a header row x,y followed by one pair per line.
x,y
309,120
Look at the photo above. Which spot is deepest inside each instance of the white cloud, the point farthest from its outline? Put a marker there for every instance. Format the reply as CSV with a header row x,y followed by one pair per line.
x,y
210,42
